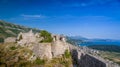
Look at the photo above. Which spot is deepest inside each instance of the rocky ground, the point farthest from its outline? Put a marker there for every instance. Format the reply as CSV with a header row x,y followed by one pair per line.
x,y
16,56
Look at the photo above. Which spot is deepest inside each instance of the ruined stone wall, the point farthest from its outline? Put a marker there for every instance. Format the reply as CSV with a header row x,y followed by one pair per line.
x,y
59,45
59,48
43,50
81,58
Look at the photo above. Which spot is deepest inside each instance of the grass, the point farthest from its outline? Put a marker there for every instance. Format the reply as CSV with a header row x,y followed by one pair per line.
x,y
67,54
39,61
9,51
112,56
13,48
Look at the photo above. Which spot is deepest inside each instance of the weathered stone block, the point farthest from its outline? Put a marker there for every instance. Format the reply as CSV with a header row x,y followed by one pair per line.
x,y
43,50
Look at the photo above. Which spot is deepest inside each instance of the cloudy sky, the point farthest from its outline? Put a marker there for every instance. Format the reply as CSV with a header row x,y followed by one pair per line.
x,y
87,18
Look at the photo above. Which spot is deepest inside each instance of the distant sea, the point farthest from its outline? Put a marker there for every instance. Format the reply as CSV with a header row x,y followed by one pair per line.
x,y
100,43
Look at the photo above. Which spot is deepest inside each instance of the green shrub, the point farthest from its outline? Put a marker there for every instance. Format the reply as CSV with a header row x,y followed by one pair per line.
x,y
24,64
67,54
46,35
1,40
13,48
39,61
118,63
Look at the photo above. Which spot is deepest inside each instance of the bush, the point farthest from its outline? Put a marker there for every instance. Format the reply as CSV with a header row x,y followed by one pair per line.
x,y
23,64
13,48
46,35
1,40
67,54
39,61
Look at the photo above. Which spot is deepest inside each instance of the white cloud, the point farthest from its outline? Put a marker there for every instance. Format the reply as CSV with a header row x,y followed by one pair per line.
x,y
28,17
32,16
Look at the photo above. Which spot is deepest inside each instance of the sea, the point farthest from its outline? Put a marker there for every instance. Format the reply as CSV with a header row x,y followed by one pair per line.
x,y
87,43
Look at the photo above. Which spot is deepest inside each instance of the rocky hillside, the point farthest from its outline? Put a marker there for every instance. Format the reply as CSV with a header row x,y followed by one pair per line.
x,y
10,30
30,49
43,49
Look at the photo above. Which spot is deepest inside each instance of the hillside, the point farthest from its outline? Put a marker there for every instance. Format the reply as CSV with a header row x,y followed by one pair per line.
x,y
40,48
32,48
110,48
11,30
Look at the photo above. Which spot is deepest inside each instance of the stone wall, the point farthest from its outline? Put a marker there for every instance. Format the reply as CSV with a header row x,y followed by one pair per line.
x,y
59,45
25,38
81,58
59,48
43,50
90,61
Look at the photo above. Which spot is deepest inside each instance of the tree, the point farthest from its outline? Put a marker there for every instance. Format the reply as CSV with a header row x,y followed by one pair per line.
x,y
1,40
46,35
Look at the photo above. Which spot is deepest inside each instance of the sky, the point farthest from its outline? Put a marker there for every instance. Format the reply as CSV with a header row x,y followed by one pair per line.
x,y
87,18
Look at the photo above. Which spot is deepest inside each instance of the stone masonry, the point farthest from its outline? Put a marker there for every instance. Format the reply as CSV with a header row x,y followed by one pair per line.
x,y
43,50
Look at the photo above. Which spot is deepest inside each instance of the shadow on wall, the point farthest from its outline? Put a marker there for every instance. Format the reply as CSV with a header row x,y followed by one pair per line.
x,y
86,60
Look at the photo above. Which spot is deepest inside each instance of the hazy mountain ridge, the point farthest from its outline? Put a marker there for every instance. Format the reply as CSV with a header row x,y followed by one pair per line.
x,y
79,40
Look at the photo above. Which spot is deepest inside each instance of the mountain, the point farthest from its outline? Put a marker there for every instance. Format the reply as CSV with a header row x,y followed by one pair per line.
x,y
79,40
78,37
11,30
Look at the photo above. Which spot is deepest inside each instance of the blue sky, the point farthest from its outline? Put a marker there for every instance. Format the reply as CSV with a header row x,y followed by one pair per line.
x,y
87,18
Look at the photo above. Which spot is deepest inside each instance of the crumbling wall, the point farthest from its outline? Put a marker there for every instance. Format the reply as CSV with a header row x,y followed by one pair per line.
x,y
81,58
43,50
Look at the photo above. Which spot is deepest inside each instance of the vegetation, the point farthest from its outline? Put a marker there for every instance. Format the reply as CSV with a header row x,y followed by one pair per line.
x,y
62,62
67,54
1,40
39,61
10,57
111,48
46,35
13,48
110,52
12,30
112,56
13,56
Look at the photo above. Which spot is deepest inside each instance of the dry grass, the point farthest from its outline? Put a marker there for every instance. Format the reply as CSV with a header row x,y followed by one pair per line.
x,y
16,58
112,56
